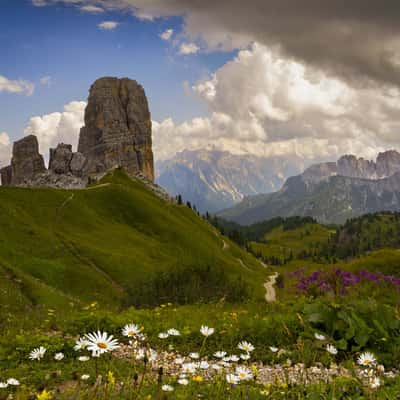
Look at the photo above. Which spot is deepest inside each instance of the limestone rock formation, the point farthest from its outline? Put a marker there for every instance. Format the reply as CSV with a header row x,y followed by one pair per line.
x,y
388,163
26,161
117,131
6,175
60,159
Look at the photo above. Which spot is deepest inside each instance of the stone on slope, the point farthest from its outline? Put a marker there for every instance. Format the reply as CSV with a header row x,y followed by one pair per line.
x,y
117,131
26,161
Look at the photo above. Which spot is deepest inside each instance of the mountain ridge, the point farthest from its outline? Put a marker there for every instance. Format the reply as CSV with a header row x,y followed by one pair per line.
x,y
323,193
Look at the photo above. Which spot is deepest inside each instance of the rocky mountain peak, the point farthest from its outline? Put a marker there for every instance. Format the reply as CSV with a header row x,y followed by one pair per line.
x,y
117,134
117,131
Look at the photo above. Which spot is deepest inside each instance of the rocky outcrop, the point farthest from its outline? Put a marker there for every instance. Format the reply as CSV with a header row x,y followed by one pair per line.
x,y
60,159
117,134
26,161
117,131
354,167
63,161
6,175
388,163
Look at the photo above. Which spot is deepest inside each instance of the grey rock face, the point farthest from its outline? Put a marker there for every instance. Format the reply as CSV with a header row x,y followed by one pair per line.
x,y
354,167
388,163
117,131
6,175
77,165
26,161
60,159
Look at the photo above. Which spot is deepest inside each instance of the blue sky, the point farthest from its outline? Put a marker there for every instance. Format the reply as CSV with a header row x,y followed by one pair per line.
x,y
67,45
262,78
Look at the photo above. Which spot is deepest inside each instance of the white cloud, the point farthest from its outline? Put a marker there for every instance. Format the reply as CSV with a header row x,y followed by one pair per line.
x,y
46,81
188,48
167,34
91,9
16,86
266,104
108,25
5,149
58,127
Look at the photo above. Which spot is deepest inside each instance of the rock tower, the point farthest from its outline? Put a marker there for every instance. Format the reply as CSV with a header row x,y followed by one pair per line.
x,y
117,134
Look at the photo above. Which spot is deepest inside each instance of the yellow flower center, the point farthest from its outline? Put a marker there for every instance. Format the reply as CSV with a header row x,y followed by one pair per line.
x,y
131,333
102,345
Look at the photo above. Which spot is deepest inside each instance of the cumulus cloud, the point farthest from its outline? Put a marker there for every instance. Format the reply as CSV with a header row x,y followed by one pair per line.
x,y
91,9
16,86
167,34
58,127
108,25
188,48
5,149
266,104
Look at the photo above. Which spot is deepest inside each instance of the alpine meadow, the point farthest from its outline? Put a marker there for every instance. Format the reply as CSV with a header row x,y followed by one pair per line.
x,y
199,200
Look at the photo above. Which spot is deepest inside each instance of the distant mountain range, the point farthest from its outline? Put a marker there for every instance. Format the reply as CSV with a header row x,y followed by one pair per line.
x,y
329,192
215,180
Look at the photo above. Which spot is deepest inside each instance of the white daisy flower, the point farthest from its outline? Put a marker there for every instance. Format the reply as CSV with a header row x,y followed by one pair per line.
x,y
58,356
318,336
274,349
183,381
366,359
243,373
204,365
245,357
167,388
220,354
375,383
173,332
13,382
216,367
131,330
85,377
246,346
234,358
38,353
163,335
232,379
100,343
331,349
195,356
3,385
206,331
81,344
83,358
189,368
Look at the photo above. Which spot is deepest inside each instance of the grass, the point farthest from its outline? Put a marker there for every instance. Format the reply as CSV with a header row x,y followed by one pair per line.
x,y
117,244
291,243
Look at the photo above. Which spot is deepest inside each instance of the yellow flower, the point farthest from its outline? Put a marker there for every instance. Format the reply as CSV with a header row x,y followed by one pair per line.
x,y
254,370
111,378
197,378
45,395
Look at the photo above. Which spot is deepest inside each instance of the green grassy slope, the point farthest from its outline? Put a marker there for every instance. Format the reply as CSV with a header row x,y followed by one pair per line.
x,y
118,244
283,243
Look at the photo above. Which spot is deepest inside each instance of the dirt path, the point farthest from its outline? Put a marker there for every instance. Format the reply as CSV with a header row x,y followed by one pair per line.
x,y
270,295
